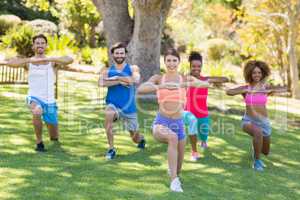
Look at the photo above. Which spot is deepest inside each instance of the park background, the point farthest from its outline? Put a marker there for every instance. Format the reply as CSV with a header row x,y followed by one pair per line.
x,y
226,32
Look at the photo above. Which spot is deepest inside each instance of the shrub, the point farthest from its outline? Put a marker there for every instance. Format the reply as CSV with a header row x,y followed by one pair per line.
x,y
43,26
7,22
61,46
86,55
19,38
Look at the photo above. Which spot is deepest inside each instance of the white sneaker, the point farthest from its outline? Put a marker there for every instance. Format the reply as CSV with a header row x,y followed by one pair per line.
x,y
176,185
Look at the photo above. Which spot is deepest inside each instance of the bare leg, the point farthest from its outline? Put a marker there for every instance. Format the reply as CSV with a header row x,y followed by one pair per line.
x,y
165,135
181,145
257,136
110,115
53,132
266,145
193,140
36,121
136,136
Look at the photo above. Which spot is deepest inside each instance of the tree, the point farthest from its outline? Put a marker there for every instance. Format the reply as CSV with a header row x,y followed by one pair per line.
x,y
274,24
27,9
142,31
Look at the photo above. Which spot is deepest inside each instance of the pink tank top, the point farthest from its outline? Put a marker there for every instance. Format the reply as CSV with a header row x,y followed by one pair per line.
x,y
166,95
259,98
197,100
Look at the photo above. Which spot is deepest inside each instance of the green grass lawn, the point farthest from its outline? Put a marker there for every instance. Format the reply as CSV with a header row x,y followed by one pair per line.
x,y
77,169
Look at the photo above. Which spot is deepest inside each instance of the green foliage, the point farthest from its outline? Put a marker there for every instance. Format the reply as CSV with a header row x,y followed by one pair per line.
x,y
19,38
216,49
218,69
7,22
100,56
184,67
63,45
81,17
94,56
86,55
230,3
26,10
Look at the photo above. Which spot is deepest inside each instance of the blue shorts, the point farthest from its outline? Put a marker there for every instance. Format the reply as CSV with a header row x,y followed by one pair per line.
x,y
262,123
175,125
49,110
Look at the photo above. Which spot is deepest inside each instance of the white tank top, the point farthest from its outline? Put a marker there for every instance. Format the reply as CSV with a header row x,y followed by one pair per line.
x,y
41,80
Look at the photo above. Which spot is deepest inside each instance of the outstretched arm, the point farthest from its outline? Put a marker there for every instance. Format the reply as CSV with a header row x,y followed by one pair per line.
x,y
16,62
237,90
150,86
276,89
217,79
63,60
191,81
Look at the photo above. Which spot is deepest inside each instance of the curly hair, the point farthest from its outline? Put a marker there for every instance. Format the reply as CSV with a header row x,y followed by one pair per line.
x,y
251,65
194,55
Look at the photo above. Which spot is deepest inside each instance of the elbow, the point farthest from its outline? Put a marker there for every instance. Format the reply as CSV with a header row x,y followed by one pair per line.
x,y
229,93
226,80
69,60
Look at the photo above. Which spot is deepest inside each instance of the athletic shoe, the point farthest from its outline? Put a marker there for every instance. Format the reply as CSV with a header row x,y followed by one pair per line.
x,y
40,147
110,154
204,145
195,156
142,144
176,185
257,166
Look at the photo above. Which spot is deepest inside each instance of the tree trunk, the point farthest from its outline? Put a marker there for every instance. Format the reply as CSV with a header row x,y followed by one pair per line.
x,y
145,45
116,20
144,40
292,37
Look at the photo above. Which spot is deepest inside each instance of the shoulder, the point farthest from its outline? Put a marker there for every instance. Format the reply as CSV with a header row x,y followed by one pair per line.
x,y
104,70
134,67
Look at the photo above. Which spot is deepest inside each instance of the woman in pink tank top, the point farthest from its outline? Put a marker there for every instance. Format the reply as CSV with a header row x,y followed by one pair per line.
x,y
255,121
196,105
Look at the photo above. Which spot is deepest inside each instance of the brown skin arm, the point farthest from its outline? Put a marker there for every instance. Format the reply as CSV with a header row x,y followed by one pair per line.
x,y
217,79
237,90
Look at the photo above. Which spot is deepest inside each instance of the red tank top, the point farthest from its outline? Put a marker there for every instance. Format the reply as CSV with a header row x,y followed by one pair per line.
x,y
196,101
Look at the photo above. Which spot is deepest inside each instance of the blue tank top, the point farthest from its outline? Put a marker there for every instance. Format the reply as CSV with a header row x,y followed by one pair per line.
x,y
123,97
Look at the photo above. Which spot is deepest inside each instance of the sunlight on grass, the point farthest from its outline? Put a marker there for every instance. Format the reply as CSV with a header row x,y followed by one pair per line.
x,y
77,168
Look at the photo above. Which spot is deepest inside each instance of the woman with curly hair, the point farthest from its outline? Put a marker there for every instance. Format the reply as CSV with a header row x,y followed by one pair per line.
x,y
255,121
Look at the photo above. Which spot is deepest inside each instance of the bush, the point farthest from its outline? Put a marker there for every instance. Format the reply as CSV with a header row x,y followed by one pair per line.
x,y
218,69
100,56
216,49
7,22
43,26
86,55
19,38
61,46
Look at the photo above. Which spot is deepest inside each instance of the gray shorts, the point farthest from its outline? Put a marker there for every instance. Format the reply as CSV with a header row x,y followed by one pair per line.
x,y
130,120
262,123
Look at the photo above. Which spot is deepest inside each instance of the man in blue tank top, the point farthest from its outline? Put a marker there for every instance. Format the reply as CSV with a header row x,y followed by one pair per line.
x,y
121,79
